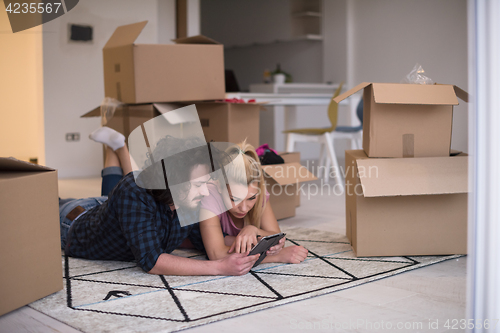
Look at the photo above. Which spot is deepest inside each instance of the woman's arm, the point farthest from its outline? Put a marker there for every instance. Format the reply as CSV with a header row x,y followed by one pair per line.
x,y
217,249
268,223
293,254
248,235
229,240
213,238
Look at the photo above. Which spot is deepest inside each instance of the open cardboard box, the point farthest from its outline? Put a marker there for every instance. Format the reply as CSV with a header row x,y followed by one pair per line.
x,y
191,70
406,206
282,181
407,120
220,121
30,244
290,158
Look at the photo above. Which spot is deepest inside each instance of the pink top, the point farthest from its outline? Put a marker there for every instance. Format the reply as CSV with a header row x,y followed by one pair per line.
x,y
214,203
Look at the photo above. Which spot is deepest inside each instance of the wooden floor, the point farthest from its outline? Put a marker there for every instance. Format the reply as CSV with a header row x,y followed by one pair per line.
x,y
422,300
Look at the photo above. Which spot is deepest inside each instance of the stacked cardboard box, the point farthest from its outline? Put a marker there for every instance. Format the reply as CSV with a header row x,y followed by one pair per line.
x,y
146,76
405,193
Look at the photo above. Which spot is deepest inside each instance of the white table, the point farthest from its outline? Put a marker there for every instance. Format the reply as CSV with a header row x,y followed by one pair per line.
x,y
294,88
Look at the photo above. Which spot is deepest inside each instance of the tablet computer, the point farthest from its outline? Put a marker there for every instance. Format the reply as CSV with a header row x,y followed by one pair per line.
x,y
265,244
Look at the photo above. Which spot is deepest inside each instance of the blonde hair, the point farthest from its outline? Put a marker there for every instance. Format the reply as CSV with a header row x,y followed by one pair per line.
x,y
253,174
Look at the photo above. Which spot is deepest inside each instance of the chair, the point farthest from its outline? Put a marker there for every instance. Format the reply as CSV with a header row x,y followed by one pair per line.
x,y
327,136
353,133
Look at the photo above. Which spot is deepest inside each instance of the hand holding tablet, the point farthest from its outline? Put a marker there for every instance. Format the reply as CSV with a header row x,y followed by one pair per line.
x,y
265,244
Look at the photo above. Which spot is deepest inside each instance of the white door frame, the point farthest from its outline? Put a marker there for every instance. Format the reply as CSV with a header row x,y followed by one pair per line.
x,y
483,271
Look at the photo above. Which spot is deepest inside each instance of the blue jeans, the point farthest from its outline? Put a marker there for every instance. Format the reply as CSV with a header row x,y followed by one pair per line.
x,y
110,177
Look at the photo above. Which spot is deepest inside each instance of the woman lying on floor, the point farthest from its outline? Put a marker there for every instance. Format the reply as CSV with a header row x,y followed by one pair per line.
x,y
236,223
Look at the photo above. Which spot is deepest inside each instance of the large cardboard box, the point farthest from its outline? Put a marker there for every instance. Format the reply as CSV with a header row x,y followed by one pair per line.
x,y
291,158
221,122
406,206
407,120
30,244
191,70
282,183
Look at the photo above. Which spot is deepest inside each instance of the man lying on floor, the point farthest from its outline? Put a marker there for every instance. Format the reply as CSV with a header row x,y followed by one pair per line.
x,y
129,222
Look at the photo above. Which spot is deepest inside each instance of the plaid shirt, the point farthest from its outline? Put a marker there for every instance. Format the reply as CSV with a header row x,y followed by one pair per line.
x,y
130,225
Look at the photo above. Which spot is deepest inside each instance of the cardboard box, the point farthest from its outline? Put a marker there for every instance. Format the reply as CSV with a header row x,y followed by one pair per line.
x,y
191,70
230,122
30,244
290,158
406,206
221,122
282,181
407,120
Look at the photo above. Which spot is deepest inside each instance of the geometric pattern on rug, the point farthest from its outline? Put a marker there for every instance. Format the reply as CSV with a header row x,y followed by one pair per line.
x,y
108,296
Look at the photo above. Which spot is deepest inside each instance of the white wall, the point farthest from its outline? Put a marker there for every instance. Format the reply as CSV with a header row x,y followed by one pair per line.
x,y
334,41
73,75
193,17
166,21
389,36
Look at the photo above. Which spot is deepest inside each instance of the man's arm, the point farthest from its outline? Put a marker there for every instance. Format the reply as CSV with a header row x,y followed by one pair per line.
x,y
234,264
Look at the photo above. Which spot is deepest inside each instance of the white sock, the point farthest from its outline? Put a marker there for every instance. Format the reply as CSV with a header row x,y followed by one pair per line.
x,y
109,137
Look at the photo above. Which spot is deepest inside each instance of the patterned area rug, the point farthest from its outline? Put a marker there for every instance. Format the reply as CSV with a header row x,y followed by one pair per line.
x,y
110,296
